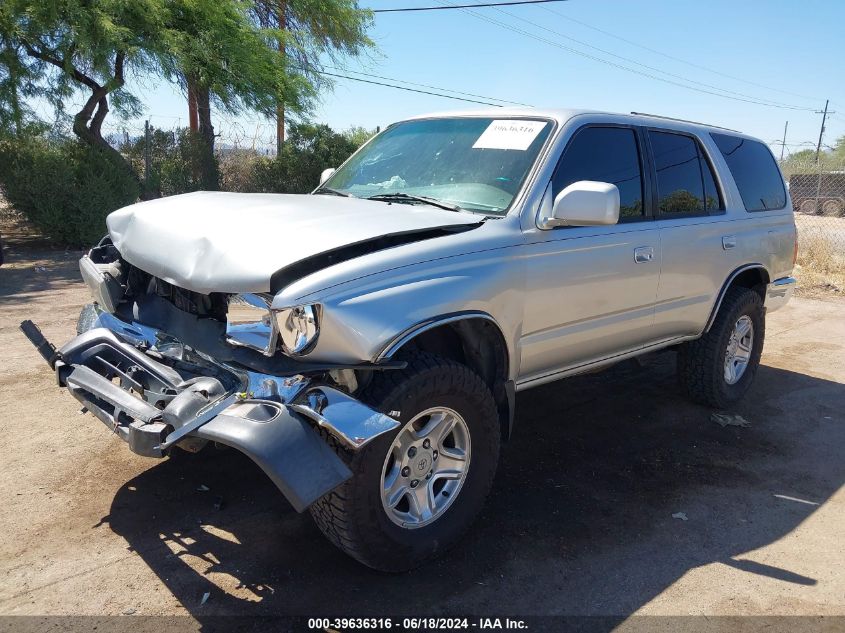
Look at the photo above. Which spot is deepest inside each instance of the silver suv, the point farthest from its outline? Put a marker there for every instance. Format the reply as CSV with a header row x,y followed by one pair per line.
x,y
364,344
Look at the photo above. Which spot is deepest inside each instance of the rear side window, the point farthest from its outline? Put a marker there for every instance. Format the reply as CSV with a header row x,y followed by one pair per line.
x,y
755,172
685,182
605,154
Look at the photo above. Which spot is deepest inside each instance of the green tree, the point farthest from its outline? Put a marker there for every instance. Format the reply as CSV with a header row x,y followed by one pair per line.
x,y
805,156
56,50
805,160
839,150
309,149
358,135
244,56
680,201
174,156
304,32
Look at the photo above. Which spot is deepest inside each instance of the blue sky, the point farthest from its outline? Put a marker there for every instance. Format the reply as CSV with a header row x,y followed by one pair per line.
x,y
793,51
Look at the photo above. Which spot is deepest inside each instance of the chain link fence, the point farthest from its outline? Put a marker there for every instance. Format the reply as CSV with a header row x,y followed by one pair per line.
x,y
818,197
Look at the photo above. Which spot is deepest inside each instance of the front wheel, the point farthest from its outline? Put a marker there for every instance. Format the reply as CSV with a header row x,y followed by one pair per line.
x,y
415,491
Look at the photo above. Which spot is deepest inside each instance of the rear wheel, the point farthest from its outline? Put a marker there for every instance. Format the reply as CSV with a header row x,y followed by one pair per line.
x,y
415,491
808,206
718,368
833,208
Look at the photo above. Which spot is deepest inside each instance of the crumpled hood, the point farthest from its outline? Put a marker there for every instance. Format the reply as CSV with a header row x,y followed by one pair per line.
x,y
234,242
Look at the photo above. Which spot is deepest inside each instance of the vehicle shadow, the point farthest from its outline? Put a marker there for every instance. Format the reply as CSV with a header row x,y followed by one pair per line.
x,y
27,274
580,520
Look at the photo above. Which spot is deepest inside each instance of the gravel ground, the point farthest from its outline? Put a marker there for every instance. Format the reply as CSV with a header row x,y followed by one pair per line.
x,y
615,497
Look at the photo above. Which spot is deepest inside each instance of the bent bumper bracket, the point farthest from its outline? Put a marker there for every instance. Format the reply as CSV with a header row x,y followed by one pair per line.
x,y
102,369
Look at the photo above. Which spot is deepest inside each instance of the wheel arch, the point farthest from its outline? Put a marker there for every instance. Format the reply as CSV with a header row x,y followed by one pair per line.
x,y
473,338
752,276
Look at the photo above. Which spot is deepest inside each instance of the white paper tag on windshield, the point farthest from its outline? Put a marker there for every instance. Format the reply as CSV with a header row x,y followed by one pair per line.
x,y
509,134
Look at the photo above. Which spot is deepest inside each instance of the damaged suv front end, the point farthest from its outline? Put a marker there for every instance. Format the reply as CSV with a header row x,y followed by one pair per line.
x,y
167,369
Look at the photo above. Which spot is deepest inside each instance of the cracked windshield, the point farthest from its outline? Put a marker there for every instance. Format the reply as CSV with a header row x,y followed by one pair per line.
x,y
470,164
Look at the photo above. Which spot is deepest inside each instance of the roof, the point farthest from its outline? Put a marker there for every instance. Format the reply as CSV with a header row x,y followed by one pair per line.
x,y
562,115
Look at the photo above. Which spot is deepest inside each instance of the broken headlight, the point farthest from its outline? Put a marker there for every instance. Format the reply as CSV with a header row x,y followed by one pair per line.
x,y
105,275
249,323
298,328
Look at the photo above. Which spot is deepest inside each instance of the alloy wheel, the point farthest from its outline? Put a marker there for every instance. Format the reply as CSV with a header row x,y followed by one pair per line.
x,y
738,353
425,467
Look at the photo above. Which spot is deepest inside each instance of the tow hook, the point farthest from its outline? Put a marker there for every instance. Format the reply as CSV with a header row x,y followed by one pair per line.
x,y
44,347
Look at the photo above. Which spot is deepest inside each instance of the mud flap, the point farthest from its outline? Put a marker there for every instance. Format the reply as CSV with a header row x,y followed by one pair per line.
x,y
287,449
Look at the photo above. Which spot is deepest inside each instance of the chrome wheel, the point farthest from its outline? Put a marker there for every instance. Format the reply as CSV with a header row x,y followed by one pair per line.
x,y
738,354
425,467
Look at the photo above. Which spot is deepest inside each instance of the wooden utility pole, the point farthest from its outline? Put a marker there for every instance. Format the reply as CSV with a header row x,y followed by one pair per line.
x,y
821,131
783,144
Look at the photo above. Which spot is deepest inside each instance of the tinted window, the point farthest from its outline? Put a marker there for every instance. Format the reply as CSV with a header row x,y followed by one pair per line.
x,y
755,172
605,154
685,182
711,192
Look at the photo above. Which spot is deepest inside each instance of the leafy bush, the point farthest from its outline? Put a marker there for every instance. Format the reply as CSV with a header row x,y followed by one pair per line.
x,y
237,169
65,188
308,150
175,159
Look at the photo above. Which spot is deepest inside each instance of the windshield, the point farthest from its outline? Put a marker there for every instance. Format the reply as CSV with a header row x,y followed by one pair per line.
x,y
477,164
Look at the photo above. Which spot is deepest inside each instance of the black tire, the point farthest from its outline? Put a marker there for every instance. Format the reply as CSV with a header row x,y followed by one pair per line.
x,y
353,517
701,363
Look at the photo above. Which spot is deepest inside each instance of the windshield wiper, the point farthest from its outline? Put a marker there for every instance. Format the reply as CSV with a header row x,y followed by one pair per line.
x,y
406,197
333,192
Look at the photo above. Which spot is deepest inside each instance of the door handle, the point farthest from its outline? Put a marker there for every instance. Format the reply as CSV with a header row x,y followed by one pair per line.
x,y
729,242
643,254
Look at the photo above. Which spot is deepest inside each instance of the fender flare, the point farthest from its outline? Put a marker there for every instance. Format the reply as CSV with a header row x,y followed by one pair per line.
x,y
395,344
736,273
408,334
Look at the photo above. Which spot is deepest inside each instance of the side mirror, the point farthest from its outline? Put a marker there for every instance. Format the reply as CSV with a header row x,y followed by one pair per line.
x,y
327,173
584,203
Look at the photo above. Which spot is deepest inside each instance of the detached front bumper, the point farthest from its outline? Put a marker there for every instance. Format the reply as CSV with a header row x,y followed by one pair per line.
x,y
155,393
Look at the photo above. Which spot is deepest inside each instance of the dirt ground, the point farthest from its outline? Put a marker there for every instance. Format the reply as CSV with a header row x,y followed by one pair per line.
x,y
580,520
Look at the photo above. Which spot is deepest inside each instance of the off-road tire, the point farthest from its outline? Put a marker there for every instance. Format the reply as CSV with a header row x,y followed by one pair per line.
x,y
701,362
352,516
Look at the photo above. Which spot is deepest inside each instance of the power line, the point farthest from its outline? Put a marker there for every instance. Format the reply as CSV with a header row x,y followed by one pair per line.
x,y
411,83
487,4
806,144
622,66
425,92
836,118
652,68
487,100
677,59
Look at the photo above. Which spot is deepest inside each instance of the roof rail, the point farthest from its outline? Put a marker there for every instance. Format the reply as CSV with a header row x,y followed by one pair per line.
x,y
669,118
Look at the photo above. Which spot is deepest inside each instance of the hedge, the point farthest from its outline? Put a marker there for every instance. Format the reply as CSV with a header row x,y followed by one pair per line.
x,y
65,188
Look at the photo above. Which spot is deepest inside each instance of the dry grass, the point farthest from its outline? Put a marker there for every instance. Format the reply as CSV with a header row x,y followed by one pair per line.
x,y
821,255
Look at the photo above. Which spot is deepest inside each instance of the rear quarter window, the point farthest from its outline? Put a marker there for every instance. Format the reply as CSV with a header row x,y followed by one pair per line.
x,y
755,172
